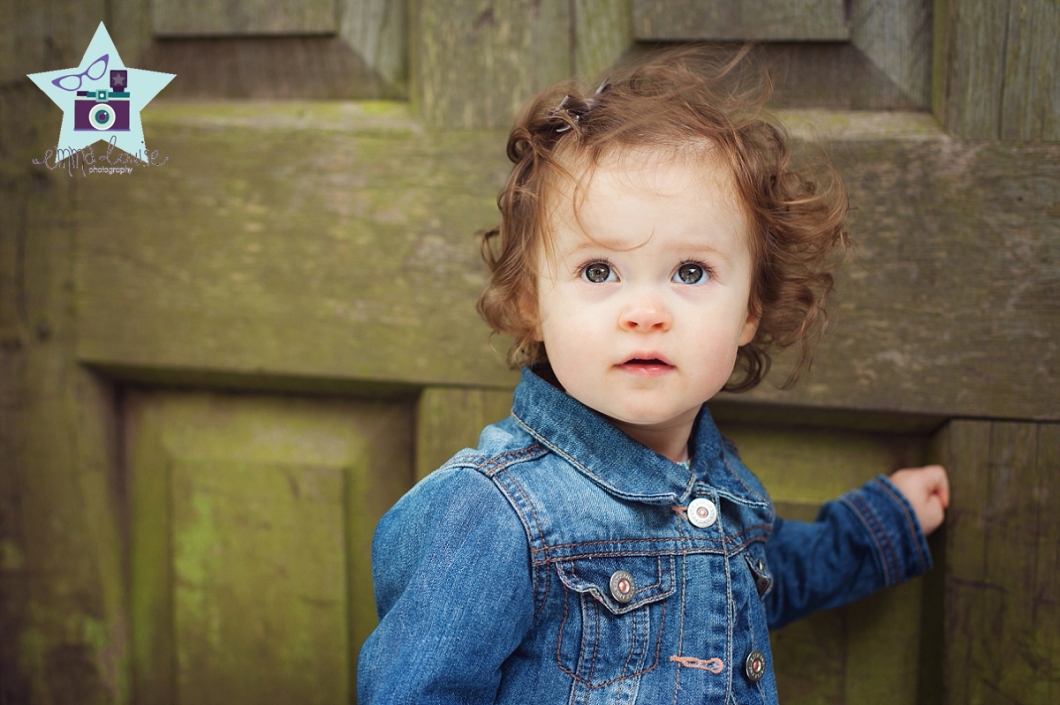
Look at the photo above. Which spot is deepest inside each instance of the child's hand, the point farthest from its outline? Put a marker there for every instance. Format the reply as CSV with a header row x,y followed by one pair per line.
x,y
928,490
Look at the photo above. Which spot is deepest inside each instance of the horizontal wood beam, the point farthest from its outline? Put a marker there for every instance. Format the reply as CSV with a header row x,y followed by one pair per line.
x,y
332,242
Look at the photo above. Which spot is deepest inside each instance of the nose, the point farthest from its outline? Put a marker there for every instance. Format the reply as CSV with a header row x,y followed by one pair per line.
x,y
646,314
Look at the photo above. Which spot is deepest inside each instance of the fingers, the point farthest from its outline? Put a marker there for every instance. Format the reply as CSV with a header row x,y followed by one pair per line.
x,y
935,482
943,487
928,491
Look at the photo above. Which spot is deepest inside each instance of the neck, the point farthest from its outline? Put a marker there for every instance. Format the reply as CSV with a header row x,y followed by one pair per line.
x,y
670,441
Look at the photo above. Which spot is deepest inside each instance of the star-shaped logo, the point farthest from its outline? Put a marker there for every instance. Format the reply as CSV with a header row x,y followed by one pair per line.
x,y
102,98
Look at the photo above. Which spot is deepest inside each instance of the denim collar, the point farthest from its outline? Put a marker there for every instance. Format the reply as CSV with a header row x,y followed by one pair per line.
x,y
620,465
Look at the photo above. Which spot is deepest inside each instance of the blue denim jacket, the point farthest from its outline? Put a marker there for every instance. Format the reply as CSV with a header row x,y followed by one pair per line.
x,y
564,562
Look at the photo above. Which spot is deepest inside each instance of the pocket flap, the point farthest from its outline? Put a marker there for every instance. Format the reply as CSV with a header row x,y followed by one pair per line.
x,y
755,555
652,579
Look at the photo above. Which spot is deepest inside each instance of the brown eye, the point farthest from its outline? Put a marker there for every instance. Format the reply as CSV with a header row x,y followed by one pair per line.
x,y
598,273
690,273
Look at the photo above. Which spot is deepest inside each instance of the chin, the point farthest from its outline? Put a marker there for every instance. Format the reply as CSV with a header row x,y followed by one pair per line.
x,y
651,418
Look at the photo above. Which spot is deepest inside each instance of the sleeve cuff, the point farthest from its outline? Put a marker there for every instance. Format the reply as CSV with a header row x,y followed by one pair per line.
x,y
899,544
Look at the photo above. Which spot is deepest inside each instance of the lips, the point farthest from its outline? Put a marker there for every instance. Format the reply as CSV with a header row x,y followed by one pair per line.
x,y
647,365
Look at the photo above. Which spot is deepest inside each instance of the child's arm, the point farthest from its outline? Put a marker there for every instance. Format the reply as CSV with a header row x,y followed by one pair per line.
x,y
868,539
451,569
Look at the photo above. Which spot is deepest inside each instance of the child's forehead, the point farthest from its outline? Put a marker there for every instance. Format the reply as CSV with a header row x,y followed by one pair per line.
x,y
629,194
655,169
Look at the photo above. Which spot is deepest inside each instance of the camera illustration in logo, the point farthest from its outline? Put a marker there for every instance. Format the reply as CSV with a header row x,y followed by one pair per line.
x,y
103,110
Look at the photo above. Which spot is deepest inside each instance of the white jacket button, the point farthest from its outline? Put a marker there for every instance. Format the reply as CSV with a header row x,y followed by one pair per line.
x,y
702,512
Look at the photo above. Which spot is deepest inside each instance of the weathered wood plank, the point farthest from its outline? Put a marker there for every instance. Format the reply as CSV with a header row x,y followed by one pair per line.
x,y
334,243
203,18
45,36
63,631
603,32
983,216
749,20
995,69
302,235
451,418
1002,561
474,63
1030,109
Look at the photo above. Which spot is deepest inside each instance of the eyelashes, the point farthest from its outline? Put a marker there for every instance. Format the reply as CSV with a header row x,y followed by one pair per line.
x,y
691,273
598,272
602,271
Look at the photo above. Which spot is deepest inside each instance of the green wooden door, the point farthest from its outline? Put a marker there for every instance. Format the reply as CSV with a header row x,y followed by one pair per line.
x,y
216,374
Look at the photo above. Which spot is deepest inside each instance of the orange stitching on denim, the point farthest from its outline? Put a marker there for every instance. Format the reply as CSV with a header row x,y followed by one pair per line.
x,y
658,575
765,528
494,464
539,533
714,665
736,475
876,532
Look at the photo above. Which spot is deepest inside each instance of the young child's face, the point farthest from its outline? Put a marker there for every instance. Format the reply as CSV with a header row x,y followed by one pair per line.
x,y
643,301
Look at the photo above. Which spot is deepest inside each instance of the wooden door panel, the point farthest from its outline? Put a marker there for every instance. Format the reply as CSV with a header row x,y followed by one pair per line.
x,y
750,20
1002,571
867,652
259,576
234,17
251,526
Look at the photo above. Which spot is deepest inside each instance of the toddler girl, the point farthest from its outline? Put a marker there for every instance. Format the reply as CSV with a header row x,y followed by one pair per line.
x,y
604,544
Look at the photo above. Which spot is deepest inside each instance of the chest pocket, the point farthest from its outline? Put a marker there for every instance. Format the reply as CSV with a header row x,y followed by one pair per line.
x,y
613,616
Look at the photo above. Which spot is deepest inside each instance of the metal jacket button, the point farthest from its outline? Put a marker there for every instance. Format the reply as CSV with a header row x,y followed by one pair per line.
x,y
622,586
755,667
702,512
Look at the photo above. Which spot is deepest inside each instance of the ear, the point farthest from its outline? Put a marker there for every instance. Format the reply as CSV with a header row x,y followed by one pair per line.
x,y
750,327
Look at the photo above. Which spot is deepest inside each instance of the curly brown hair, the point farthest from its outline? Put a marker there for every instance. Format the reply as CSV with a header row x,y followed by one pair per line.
x,y
683,101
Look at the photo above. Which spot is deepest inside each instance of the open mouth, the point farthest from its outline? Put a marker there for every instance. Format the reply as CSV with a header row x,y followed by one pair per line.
x,y
646,366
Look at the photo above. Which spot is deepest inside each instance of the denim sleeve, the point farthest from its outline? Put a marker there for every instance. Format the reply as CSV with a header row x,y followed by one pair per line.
x,y
866,540
453,588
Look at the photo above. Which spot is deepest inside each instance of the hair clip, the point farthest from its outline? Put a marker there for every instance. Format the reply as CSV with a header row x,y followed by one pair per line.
x,y
555,111
577,110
